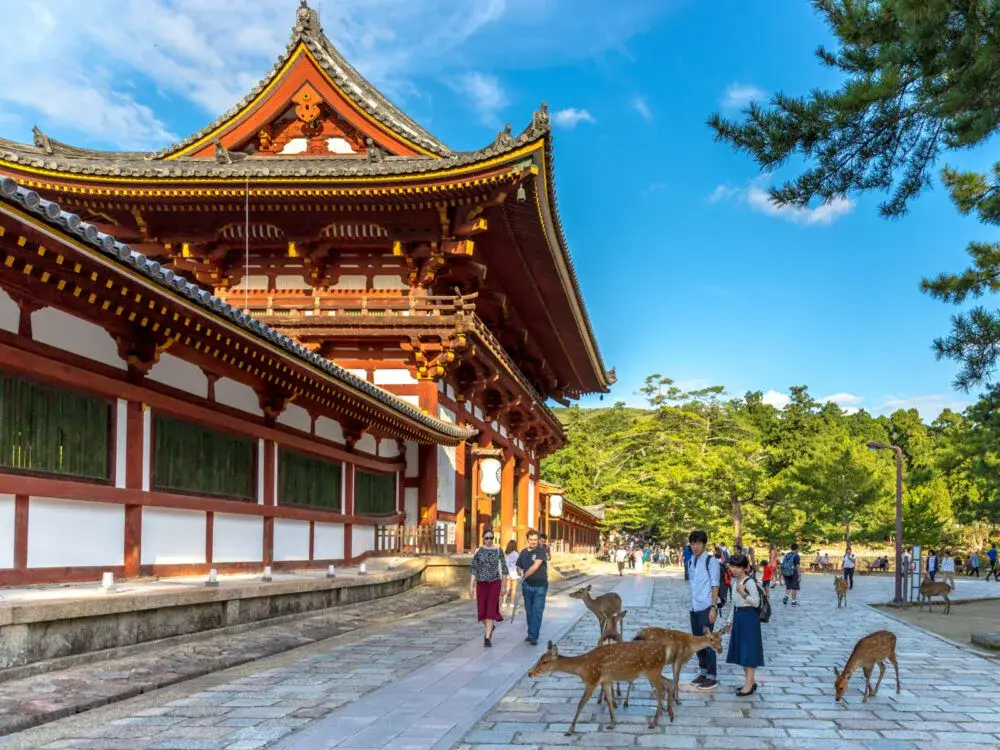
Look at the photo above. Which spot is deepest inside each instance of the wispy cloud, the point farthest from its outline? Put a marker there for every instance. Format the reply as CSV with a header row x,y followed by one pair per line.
x,y
571,117
929,405
754,194
739,95
640,105
485,93
776,399
655,187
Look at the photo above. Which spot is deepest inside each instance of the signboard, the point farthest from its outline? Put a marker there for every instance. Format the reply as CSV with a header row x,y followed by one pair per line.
x,y
555,506
489,476
915,565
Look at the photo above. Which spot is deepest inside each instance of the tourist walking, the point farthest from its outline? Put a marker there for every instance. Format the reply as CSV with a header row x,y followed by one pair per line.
x,y
510,556
790,571
637,559
850,561
991,555
767,577
543,541
974,564
620,555
703,579
534,569
687,559
487,575
948,569
647,561
746,647
932,564
772,560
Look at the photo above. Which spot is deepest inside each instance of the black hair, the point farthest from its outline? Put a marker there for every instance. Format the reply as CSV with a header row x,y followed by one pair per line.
x,y
739,561
698,536
531,532
795,547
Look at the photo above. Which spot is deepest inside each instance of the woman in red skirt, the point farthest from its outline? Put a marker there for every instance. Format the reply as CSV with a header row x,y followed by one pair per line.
x,y
488,572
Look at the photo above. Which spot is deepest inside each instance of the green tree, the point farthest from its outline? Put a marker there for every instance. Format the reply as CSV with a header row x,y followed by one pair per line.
x,y
920,77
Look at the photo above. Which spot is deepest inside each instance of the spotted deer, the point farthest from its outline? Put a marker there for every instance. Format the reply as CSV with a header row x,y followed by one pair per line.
x,y
624,662
929,588
873,649
612,632
840,586
678,647
602,606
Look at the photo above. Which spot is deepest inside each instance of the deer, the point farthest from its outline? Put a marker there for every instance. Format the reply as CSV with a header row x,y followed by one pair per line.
x,y
624,662
929,588
602,606
840,586
678,647
612,632
874,648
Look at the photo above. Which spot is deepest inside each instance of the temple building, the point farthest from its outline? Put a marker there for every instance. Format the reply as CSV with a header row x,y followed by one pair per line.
x,y
307,320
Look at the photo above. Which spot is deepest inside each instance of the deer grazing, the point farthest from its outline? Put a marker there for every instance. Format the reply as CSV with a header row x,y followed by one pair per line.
x,y
840,586
678,647
612,632
624,662
929,588
873,649
602,606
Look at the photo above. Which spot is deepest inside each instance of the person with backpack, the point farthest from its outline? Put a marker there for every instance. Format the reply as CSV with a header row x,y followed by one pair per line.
x,y
746,646
991,555
703,579
790,572
932,564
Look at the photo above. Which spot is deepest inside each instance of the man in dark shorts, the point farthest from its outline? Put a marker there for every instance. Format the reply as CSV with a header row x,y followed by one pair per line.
x,y
790,571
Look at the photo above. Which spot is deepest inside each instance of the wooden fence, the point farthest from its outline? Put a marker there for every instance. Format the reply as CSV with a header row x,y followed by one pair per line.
x,y
412,540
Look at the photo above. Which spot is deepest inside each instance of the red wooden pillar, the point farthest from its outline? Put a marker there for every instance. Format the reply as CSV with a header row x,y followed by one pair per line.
x,y
135,448
348,510
507,519
20,532
427,392
461,493
269,468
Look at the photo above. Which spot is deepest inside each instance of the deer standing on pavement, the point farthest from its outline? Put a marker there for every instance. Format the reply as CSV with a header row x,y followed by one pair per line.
x,y
602,606
678,647
929,588
613,632
873,649
603,665
840,586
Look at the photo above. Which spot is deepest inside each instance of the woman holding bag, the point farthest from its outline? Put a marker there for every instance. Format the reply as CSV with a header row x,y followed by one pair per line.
x,y
746,647
488,573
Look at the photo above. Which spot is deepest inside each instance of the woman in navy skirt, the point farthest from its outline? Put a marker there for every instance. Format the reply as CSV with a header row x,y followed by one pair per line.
x,y
746,647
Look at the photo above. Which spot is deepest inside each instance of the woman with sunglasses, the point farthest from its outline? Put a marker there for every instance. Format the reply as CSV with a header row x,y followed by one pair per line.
x,y
488,574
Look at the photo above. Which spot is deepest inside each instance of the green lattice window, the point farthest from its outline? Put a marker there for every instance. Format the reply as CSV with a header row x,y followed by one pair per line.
x,y
306,481
192,458
49,430
374,494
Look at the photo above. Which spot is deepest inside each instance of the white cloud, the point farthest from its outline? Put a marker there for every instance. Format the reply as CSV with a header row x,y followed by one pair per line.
x,y
755,195
655,187
739,95
776,399
640,105
929,406
486,94
842,399
571,117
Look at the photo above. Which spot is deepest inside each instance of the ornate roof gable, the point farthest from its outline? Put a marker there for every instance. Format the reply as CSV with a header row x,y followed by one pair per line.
x,y
314,103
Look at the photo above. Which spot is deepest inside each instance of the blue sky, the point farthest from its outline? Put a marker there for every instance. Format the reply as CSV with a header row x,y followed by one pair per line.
x,y
685,267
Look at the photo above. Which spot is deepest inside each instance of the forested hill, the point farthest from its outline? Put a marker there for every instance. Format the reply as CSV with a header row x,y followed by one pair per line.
x,y
741,467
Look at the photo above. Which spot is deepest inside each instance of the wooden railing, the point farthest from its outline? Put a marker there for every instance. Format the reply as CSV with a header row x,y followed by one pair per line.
x,y
304,305
412,540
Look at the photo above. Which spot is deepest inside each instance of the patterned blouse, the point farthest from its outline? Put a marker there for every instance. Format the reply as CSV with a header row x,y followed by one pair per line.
x,y
487,563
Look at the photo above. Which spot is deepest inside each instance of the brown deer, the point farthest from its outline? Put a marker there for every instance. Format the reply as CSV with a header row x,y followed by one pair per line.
x,y
873,649
613,632
929,588
603,665
678,647
602,606
840,586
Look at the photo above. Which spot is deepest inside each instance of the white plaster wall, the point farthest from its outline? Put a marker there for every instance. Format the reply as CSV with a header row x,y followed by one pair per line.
x,y
171,537
121,441
63,331
291,540
446,415
415,400
477,412
252,282
75,533
449,391
394,376
412,460
532,518
351,282
296,417
386,281
446,478
388,448
6,531
147,447
237,538
10,313
363,374
328,542
289,281
237,395
411,504
367,444
174,371
329,429
362,540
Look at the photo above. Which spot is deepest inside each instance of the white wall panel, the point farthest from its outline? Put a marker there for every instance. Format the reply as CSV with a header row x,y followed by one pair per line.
x,y
446,415
446,478
363,374
386,281
362,540
388,448
291,540
64,331
412,460
329,429
6,531
237,538
367,444
237,395
10,313
147,447
121,442
532,518
296,417
175,372
415,400
172,537
411,503
74,533
394,376
328,543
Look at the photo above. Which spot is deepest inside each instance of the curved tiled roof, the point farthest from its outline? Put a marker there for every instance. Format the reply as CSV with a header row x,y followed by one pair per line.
x,y
71,224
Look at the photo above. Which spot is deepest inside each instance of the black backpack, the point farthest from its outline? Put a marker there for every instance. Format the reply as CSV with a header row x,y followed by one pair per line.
x,y
764,610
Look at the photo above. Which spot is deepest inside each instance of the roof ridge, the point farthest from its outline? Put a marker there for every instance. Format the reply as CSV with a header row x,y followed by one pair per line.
x,y
71,224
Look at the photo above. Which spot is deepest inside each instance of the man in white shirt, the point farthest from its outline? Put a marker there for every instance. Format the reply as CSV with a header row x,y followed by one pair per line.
x,y
703,578
620,555
850,561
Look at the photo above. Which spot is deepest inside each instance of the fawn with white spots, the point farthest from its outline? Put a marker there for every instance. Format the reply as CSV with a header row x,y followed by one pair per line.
x,y
678,647
612,632
873,649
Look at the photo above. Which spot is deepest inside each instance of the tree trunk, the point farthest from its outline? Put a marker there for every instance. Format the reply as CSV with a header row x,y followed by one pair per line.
x,y
847,530
737,520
